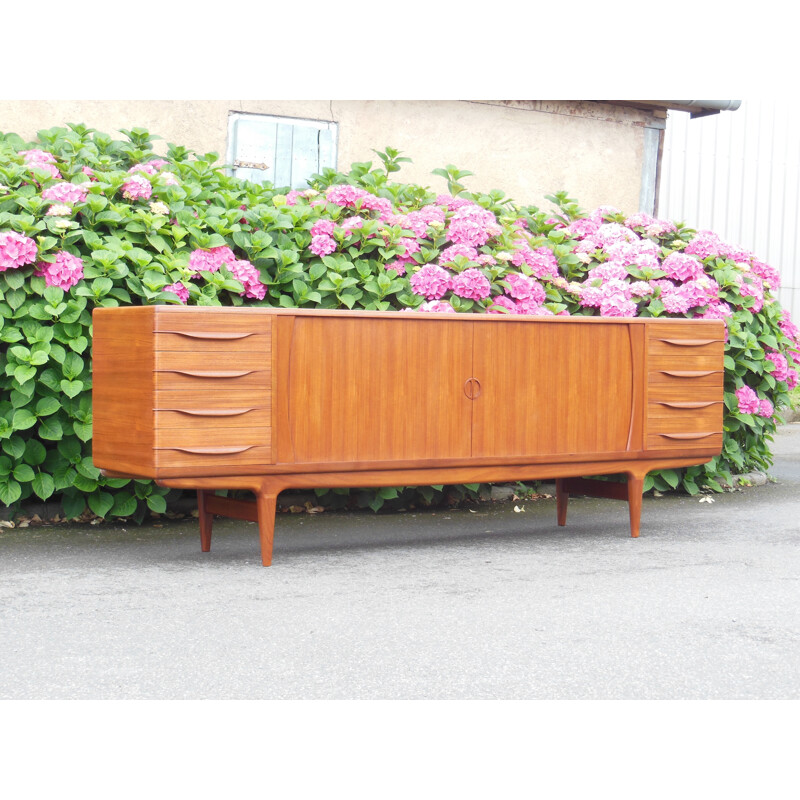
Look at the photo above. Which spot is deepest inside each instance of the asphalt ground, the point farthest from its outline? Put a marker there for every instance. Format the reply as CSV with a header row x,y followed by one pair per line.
x,y
484,603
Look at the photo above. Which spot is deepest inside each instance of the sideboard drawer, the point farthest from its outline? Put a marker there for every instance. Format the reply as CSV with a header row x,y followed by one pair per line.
x,y
684,381
210,379
191,414
684,420
213,341
683,360
203,436
209,359
203,456
705,440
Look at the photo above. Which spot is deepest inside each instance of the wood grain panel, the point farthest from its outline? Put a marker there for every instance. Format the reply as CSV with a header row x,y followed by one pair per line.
x,y
685,386
551,389
123,390
385,389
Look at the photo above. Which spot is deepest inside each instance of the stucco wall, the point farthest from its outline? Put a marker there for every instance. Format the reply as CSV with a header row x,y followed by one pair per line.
x,y
526,148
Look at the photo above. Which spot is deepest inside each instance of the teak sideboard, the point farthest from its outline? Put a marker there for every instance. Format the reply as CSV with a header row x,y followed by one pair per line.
x,y
269,399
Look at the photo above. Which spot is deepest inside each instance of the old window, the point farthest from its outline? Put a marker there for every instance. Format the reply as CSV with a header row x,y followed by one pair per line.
x,y
281,150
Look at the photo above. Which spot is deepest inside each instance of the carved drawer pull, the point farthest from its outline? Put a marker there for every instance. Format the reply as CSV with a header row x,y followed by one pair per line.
x,y
211,373
210,412
689,373
210,451
218,335
689,435
689,342
688,405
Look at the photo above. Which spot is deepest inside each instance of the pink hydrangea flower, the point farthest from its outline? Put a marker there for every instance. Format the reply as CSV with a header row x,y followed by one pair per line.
x,y
472,225
660,228
590,296
353,223
641,289
639,220
178,289
521,287
755,289
542,261
675,301
168,179
64,272
502,302
583,227
768,274
448,255
781,371
16,250
41,159
322,245
211,260
748,400
398,266
88,171
437,306
682,267
323,227
600,213
137,186
431,281
66,193
291,197
791,378
531,308
609,270
471,284
705,244
148,169
765,408
58,210
247,274
617,305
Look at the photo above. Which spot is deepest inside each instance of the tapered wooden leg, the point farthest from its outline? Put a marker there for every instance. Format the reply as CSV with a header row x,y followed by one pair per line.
x,y
635,486
562,498
266,501
206,521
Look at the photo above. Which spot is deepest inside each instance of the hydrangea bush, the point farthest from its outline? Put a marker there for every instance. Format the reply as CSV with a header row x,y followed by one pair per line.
x,y
87,221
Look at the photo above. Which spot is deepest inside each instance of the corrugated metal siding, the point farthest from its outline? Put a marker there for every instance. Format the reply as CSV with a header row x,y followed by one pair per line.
x,y
736,173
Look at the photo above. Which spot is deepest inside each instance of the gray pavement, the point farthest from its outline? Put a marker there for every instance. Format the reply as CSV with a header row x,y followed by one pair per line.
x,y
462,604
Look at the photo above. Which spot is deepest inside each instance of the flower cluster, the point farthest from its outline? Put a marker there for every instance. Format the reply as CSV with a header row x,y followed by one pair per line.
x,y
244,272
137,186
16,250
41,160
66,271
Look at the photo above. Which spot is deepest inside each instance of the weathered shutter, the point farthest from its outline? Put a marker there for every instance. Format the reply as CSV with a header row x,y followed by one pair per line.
x,y
286,152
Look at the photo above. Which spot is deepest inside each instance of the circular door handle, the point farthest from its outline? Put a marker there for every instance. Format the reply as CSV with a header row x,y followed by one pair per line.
x,y
472,388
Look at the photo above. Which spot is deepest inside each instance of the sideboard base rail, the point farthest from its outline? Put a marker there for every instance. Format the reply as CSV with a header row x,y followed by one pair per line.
x,y
266,488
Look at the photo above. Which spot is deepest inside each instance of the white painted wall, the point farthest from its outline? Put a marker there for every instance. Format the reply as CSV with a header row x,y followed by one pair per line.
x,y
737,173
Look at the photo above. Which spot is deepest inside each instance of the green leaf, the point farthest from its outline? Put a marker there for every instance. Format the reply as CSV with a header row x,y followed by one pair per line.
x,y
101,503
51,429
157,503
43,485
124,504
10,492
47,405
71,388
23,419
73,504
35,452
23,473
